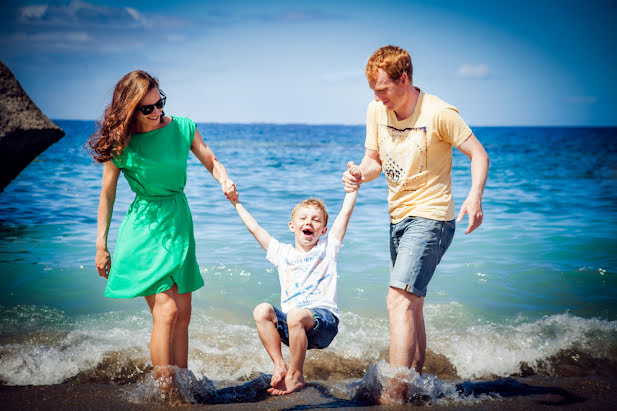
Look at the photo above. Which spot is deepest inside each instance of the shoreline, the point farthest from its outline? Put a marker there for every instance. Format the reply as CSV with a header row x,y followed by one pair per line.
x,y
515,393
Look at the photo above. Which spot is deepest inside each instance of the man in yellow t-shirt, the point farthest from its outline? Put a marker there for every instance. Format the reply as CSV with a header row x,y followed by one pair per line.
x,y
409,136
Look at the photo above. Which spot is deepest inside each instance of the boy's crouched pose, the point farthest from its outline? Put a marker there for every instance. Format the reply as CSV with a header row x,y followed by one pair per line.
x,y
307,272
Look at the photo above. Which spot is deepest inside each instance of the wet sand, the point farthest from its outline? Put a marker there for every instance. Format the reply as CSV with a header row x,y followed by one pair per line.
x,y
587,384
521,393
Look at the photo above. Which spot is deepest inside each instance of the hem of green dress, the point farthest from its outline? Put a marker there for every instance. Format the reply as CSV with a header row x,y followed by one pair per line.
x,y
146,293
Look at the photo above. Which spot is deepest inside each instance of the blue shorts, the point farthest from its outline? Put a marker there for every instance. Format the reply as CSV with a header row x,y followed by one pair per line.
x,y
320,336
416,247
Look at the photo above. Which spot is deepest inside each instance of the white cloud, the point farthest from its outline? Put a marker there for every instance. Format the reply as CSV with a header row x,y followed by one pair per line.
x,y
54,37
80,14
471,71
299,16
133,12
32,12
77,37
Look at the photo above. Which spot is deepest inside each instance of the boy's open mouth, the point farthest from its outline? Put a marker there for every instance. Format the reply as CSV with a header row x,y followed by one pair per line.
x,y
307,231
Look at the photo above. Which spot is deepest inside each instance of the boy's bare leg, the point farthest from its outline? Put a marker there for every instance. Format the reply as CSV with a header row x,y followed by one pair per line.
x,y
265,319
299,322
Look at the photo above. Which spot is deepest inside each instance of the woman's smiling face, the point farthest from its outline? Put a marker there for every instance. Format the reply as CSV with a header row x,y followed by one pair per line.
x,y
150,121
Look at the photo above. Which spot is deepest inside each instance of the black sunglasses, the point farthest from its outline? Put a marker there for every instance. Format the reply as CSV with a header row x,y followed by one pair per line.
x,y
149,108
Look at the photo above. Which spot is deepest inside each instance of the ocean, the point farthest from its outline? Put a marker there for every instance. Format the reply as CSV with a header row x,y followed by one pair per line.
x,y
531,292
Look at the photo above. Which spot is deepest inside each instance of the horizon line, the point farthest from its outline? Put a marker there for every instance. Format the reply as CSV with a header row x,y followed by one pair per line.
x,y
363,124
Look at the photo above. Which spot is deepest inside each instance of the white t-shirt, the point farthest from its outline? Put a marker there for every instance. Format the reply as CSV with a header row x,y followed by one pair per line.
x,y
308,280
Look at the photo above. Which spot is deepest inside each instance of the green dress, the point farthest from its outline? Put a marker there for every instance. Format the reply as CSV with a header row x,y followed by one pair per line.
x,y
156,245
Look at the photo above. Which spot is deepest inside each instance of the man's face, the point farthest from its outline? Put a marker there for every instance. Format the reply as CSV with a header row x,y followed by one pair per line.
x,y
390,93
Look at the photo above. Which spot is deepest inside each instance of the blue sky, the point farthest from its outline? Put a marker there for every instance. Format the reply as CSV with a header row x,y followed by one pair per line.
x,y
501,63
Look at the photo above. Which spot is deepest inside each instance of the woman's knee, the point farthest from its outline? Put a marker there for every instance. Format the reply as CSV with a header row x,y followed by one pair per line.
x,y
165,312
183,317
183,305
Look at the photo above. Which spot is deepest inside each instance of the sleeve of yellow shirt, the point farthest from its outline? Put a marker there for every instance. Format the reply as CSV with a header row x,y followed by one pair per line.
x,y
451,126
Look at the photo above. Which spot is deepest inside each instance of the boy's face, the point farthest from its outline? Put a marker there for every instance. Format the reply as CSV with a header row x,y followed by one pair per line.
x,y
307,224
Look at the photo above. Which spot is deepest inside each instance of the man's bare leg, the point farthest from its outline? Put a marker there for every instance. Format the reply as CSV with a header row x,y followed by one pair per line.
x,y
402,308
299,322
420,356
265,319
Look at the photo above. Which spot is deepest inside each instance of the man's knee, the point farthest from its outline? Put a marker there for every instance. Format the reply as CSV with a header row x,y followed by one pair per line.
x,y
401,301
264,312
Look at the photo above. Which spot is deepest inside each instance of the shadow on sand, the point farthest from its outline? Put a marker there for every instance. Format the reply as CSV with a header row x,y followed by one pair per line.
x,y
320,396
509,387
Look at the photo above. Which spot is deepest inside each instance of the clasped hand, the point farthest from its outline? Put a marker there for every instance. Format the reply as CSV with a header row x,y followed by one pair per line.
x,y
229,189
352,177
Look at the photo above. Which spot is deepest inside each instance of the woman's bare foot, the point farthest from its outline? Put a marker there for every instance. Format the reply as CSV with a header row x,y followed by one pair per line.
x,y
395,392
164,379
279,374
292,382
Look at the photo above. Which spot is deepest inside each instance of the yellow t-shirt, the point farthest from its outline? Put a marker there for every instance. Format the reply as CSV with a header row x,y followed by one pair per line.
x,y
416,156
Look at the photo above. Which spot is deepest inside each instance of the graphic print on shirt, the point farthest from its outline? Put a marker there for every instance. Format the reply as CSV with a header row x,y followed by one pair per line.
x,y
298,287
403,155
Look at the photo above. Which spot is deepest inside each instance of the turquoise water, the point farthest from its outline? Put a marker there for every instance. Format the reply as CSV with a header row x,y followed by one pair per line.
x,y
538,277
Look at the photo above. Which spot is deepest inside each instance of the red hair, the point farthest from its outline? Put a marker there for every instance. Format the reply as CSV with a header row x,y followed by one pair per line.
x,y
312,202
393,60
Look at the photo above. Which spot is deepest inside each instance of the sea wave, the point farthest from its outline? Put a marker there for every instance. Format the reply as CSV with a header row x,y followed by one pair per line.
x,y
41,345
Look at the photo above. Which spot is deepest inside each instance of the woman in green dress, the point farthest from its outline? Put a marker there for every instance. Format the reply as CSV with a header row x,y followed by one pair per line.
x,y
155,250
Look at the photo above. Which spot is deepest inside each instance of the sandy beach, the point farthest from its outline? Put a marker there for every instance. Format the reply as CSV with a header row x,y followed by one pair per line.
x,y
526,394
593,386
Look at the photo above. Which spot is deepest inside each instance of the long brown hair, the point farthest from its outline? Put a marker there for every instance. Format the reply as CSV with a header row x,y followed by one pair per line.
x,y
118,123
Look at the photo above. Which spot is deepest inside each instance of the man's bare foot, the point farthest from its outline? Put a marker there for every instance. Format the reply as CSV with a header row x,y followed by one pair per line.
x,y
280,372
292,382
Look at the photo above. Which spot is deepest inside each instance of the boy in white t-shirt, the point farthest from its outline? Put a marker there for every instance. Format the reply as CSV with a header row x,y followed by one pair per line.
x,y
307,273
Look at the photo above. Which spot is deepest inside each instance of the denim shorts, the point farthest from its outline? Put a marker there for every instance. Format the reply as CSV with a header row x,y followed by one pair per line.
x,y
320,336
416,247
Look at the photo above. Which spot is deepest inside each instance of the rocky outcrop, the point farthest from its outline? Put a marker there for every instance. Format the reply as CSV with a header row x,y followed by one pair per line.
x,y
25,132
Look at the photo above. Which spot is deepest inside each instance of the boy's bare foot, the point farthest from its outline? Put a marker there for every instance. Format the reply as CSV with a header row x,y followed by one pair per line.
x,y
292,382
279,374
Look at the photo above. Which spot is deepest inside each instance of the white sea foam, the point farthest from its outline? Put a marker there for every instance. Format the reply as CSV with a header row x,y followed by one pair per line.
x,y
497,349
224,351
418,389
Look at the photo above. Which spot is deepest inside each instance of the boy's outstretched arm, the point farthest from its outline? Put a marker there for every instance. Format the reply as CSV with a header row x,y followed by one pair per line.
x,y
339,228
261,235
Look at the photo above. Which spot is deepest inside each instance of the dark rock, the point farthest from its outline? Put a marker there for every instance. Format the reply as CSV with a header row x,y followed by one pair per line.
x,y
25,132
